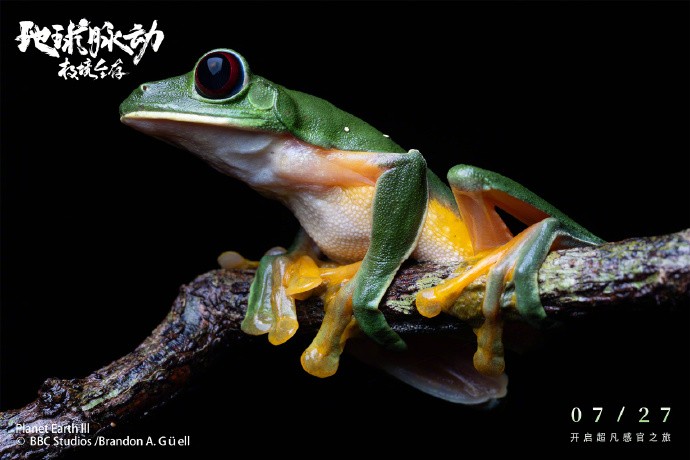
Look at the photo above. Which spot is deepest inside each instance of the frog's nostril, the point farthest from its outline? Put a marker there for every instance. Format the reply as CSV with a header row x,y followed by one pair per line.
x,y
144,88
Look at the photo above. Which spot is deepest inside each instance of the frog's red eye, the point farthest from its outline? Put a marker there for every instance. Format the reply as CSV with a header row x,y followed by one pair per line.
x,y
219,75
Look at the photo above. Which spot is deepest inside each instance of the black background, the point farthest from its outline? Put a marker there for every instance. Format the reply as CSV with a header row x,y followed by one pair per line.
x,y
584,103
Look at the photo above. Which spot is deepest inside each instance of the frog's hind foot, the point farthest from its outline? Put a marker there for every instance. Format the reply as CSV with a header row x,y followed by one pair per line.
x,y
510,263
511,270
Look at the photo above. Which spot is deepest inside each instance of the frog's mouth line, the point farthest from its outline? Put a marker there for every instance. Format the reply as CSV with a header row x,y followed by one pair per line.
x,y
247,123
189,131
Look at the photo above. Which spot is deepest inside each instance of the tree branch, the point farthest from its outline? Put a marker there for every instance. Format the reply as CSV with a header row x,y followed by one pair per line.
x,y
207,314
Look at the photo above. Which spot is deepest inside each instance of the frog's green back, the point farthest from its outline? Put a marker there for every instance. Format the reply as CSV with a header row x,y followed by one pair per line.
x,y
318,122
303,115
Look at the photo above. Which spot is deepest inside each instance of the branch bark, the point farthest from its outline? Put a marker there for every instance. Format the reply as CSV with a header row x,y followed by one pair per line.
x,y
207,314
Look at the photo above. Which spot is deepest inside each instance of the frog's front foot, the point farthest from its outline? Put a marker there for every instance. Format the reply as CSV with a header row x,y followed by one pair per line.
x,y
514,264
269,307
280,280
321,358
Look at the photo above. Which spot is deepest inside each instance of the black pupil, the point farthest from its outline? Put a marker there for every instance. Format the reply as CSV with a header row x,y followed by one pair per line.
x,y
219,75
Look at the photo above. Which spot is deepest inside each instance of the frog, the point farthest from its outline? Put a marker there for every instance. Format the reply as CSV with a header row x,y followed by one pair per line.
x,y
365,206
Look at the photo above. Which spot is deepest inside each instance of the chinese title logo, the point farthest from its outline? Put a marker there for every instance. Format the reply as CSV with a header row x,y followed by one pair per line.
x,y
86,40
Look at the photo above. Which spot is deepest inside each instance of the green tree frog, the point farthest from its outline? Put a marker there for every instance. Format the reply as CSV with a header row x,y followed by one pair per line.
x,y
365,205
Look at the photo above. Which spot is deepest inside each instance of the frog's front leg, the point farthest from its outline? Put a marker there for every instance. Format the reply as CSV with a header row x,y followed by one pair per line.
x,y
270,306
507,261
399,207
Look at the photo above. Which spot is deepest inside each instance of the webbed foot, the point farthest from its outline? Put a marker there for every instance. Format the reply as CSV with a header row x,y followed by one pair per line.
x,y
514,264
281,279
269,308
322,357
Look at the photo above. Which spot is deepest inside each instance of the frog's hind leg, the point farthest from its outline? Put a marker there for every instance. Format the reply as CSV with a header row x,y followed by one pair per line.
x,y
510,263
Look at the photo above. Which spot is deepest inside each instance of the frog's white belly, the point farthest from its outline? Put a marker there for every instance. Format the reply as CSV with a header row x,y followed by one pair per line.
x,y
338,219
